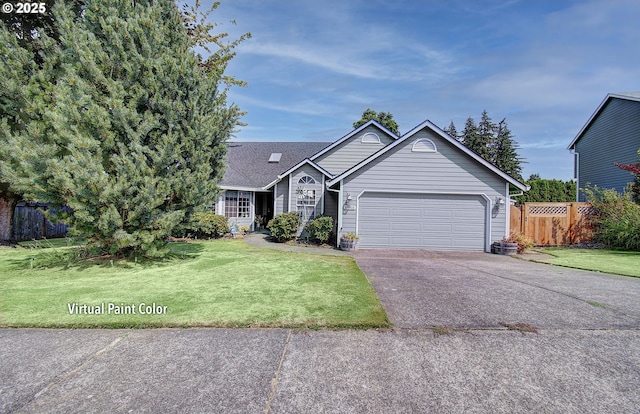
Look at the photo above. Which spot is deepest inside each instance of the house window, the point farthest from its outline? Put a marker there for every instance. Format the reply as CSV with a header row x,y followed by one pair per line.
x,y
306,198
306,203
424,145
370,138
237,204
306,180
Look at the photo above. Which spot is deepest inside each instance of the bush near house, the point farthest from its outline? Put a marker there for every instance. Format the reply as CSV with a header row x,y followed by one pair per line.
x,y
319,229
284,227
209,225
615,219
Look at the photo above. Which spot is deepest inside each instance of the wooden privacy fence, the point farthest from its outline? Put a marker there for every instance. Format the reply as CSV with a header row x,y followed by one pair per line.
x,y
29,223
552,224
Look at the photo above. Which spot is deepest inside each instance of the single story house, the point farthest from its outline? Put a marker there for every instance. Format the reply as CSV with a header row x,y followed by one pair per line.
x,y
612,134
423,190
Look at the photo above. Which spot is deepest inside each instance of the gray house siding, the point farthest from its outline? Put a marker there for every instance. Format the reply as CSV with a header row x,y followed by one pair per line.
x,y
613,136
331,207
281,197
352,151
448,172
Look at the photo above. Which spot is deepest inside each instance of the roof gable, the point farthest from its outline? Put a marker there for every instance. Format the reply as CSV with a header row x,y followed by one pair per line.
x,y
351,134
628,96
454,142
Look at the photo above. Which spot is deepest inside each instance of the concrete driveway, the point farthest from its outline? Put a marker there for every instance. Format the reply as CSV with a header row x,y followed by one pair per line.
x,y
421,289
584,358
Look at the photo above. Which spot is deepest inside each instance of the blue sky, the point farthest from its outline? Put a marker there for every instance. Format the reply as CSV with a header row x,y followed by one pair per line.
x,y
314,66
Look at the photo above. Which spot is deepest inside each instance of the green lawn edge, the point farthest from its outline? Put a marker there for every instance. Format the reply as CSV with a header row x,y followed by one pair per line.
x,y
330,302
608,261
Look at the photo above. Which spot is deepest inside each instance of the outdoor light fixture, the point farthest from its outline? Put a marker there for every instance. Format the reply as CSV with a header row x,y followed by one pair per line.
x,y
500,201
347,204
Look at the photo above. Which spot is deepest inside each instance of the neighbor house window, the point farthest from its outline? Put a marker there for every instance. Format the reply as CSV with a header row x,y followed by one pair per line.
x,y
237,204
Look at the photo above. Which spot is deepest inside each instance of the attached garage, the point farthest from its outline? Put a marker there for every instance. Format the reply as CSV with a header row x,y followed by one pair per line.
x,y
428,221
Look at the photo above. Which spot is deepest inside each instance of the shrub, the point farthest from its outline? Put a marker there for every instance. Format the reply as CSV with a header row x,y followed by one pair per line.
x,y
284,227
350,237
615,219
319,229
524,242
209,225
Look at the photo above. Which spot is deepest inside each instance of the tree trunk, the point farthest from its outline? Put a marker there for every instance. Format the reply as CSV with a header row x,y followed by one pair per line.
x,y
7,205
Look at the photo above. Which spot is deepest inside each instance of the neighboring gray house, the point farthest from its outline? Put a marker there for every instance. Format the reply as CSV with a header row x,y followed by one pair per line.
x,y
612,134
423,189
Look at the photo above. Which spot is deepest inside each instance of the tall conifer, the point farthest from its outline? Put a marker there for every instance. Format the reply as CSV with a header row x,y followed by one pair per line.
x,y
121,122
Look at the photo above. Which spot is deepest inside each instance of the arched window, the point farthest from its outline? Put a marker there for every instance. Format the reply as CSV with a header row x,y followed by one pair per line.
x,y
306,180
424,145
370,138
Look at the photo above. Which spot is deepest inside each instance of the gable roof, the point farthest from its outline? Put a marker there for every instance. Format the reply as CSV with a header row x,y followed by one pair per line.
x,y
629,96
445,136
295,167
351,134
248,165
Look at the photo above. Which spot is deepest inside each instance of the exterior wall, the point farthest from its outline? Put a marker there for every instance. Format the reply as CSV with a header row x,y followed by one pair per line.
x,y
613,136
281,197
446,171
352,151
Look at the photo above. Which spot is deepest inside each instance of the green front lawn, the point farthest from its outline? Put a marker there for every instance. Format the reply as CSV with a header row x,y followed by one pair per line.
x,y
222,283
607,261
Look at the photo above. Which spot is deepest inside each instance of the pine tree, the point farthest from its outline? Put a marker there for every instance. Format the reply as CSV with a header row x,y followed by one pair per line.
x,y
470,136
123,123
452,131
505,151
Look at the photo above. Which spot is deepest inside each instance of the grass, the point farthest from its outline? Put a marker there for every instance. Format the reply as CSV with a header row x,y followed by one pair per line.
x,y
608,261
222,283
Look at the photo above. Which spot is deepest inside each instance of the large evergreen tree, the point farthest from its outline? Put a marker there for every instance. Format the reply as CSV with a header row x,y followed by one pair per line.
x,y
492,142
384,118
452,131
121,121
504,151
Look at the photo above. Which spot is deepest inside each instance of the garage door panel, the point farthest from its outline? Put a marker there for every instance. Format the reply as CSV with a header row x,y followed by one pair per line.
x,y
430,221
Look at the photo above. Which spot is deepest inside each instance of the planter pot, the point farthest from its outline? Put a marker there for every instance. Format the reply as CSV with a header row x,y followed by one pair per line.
x,y
495,248
508,248
348,244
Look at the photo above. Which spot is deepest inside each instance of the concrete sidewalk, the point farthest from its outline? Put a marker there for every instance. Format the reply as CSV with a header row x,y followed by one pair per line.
x,y
285,371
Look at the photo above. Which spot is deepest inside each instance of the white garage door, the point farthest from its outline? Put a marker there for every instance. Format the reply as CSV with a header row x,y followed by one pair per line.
x,y
424,221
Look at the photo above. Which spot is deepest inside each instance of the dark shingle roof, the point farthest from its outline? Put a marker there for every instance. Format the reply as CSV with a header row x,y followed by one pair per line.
x,y
248,163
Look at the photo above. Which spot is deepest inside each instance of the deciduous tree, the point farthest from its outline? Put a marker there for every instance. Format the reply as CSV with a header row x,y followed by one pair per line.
x,y
384,118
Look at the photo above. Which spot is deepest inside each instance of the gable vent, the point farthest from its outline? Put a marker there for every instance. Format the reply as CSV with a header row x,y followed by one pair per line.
x,y
370,138
275,157
424,145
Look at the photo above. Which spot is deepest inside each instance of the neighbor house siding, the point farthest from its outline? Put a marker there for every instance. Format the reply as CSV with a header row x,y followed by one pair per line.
x,y
613,136
352,151
447,171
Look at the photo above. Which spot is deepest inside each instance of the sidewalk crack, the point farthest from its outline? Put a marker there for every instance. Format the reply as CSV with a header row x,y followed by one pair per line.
x,y
276,376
